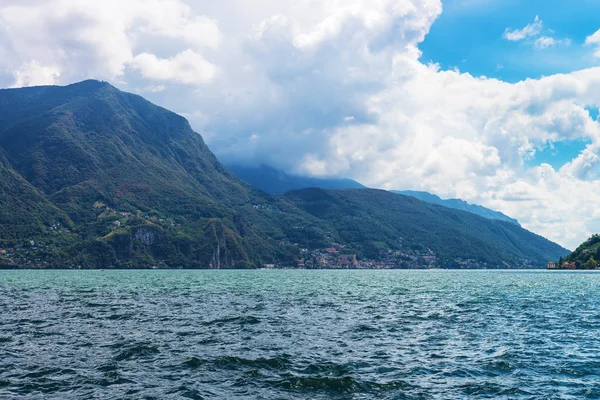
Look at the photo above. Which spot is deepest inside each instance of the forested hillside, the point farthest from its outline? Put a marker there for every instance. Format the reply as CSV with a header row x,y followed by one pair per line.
x,y
375,219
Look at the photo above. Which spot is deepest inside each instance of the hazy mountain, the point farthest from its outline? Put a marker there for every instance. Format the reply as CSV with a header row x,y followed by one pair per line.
x,y
276,181
95,177
458,204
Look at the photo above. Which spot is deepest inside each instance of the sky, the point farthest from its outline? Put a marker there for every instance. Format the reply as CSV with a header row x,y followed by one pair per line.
x,y
492,101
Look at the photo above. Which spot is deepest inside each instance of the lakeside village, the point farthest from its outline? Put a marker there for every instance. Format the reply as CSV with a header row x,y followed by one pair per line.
x,y
336,257
591,264
33,255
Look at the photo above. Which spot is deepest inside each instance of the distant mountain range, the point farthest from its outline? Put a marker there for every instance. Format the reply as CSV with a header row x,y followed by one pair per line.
x,y
93,177
458,204
275,181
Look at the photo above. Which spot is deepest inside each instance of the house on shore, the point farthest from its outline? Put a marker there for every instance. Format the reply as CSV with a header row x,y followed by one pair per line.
x,y
347,260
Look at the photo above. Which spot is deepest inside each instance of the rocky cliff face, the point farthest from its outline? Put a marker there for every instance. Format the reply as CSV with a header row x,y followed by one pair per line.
x,y
146,236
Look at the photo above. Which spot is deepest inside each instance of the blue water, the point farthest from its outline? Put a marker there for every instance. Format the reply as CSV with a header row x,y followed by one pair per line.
x,y
299,335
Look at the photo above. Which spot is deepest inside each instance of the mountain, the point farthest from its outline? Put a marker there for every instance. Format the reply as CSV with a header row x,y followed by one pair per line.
x,y
458,204
372,220
113,179
93,177
276,181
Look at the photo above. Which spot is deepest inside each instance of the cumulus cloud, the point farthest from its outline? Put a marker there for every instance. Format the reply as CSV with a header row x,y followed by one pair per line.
x,y
331,88
77,39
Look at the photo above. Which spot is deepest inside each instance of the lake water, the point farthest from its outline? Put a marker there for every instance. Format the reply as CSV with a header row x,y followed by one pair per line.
x,y
299,335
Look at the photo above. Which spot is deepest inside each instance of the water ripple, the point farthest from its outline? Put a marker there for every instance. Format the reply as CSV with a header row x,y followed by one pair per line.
x,y
299,335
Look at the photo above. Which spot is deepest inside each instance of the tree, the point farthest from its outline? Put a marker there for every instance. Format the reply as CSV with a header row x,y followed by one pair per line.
x,y
591,263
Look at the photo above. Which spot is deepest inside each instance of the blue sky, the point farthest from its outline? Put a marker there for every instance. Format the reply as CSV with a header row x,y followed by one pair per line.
x,y
469,35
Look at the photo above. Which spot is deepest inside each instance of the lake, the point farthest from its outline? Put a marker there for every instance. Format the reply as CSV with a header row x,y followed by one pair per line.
x,y
271,334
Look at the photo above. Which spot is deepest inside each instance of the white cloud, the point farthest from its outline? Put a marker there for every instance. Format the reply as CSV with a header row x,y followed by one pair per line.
x,y
186,67
332,88
175,19
152,89
544,42
594,40
34,74
99,39
532,33
532,29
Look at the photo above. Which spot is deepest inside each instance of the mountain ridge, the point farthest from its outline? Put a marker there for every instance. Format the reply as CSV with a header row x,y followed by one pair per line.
x,y
107,179
458,204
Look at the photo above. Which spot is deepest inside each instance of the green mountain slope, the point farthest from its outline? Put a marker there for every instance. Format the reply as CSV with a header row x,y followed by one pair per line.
x,y
370,220
118,165
117,146
587,255
23,209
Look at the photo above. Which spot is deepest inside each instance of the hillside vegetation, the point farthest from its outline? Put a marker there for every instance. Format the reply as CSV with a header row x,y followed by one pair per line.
x,y
374,219
586,256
